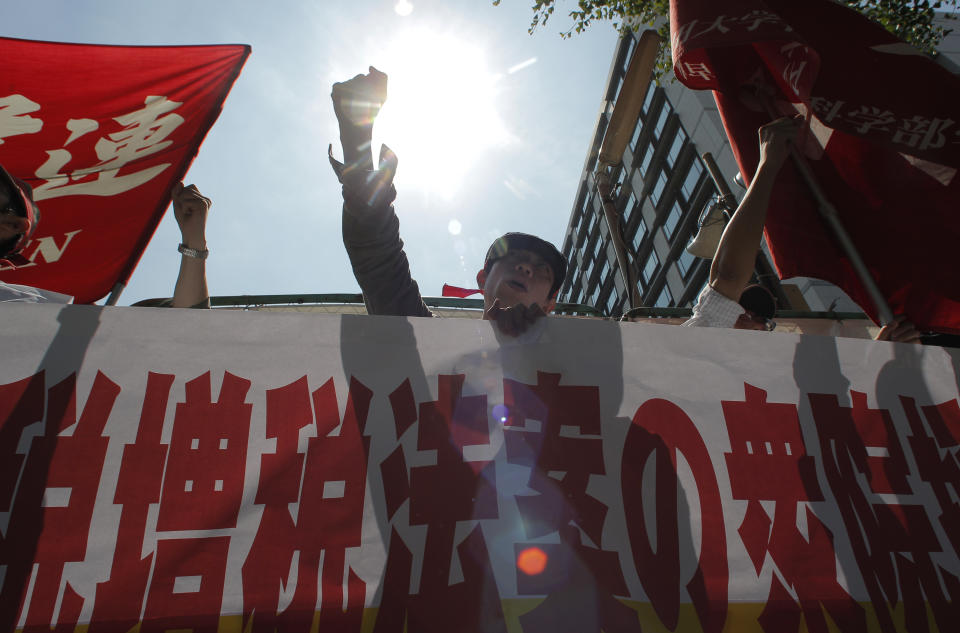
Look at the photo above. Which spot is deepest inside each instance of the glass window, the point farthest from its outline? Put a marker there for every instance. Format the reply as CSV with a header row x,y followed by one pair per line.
x,y
693,177
633,205
675,147
620,178
672,221
611,302
639,235
685,263
647,157
650,268
658,188
662,120
604,269
596,295
649,98
636,135
665,300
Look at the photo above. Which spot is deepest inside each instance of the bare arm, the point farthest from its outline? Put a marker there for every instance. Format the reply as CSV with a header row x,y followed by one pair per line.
x,y
733,264
190,209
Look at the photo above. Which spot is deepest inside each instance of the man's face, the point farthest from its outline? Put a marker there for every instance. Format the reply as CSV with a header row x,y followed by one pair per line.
x,y
11,223
520,276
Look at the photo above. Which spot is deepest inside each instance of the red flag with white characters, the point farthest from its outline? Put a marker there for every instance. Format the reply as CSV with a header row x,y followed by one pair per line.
x,y
884,141
102,133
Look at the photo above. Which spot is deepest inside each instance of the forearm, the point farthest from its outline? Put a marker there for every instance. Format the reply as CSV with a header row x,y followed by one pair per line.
x,y
356,141
736,254
191,288
380,265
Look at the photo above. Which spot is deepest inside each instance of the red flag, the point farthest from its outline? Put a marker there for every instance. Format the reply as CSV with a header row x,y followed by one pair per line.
x,y
102,133
456,291
885,142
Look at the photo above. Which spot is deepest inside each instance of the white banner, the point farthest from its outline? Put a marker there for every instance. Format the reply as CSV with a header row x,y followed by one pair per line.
x,y
239,471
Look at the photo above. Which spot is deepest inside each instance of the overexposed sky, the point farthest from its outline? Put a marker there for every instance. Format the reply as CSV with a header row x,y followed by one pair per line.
x,y
491,126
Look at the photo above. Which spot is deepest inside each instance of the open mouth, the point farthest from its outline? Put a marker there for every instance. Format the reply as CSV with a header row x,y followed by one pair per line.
x,y
517,285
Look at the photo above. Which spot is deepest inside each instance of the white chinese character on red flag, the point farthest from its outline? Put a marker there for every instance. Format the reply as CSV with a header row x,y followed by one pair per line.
x,y
754,19
15,118
869,118
825,109
144,133
921,133
698,70
717,25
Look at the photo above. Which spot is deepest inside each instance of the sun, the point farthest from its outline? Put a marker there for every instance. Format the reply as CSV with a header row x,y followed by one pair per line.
x,y
441,112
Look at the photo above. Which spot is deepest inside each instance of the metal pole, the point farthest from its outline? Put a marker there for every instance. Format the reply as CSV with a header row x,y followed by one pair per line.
x,y
604,189
830,216
115,294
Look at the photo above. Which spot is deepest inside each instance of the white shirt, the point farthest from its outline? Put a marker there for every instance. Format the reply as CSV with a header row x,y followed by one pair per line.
x,y
10,293
714,310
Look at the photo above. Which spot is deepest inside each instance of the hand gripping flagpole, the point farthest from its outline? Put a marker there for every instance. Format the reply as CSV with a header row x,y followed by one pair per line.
x,y
832,219
623,120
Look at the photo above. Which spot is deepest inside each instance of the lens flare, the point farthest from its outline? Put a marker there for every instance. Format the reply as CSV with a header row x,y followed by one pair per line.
x,y
501,413
532,561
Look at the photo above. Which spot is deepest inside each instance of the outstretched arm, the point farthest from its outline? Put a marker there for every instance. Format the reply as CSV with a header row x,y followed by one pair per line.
x,y
371,230
733,264
190,209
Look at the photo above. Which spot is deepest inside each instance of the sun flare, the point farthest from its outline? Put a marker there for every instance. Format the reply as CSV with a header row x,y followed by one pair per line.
x,y
441,115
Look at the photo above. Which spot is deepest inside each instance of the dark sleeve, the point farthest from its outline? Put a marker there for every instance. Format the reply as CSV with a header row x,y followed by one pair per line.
x,y
371,234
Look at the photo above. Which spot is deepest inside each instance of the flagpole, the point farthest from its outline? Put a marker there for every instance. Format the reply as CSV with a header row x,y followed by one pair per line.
x,y
623,120
832,219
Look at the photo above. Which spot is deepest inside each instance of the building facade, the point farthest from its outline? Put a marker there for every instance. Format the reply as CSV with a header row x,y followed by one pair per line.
x,y
662,187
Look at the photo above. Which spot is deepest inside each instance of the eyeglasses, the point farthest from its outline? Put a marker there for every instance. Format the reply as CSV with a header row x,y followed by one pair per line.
x,y
768,324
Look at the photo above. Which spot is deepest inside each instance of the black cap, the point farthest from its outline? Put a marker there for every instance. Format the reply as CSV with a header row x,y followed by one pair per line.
x,y
526,242
758,300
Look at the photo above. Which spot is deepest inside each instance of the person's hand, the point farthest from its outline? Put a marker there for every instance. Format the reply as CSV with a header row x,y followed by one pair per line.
x,y
190,209
516,320
357,101
776,138
898,331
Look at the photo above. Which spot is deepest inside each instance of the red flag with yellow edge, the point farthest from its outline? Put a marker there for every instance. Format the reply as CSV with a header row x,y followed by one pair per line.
x,y
884,141
101,134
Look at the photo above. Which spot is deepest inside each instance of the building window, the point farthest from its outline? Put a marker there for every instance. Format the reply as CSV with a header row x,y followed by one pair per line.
x,y
639,235
665,300
611,302
647,158
604,269
648,99
662,120
650,268
621,175
596,295
658,188
685,263
636,135
672,221
675,147
633,206
693,177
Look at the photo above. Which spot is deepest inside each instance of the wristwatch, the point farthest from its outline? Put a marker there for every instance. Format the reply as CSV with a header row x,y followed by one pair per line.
x,y
192,252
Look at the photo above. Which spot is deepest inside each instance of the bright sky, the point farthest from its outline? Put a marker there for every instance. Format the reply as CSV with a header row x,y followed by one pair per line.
x,y
491,126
